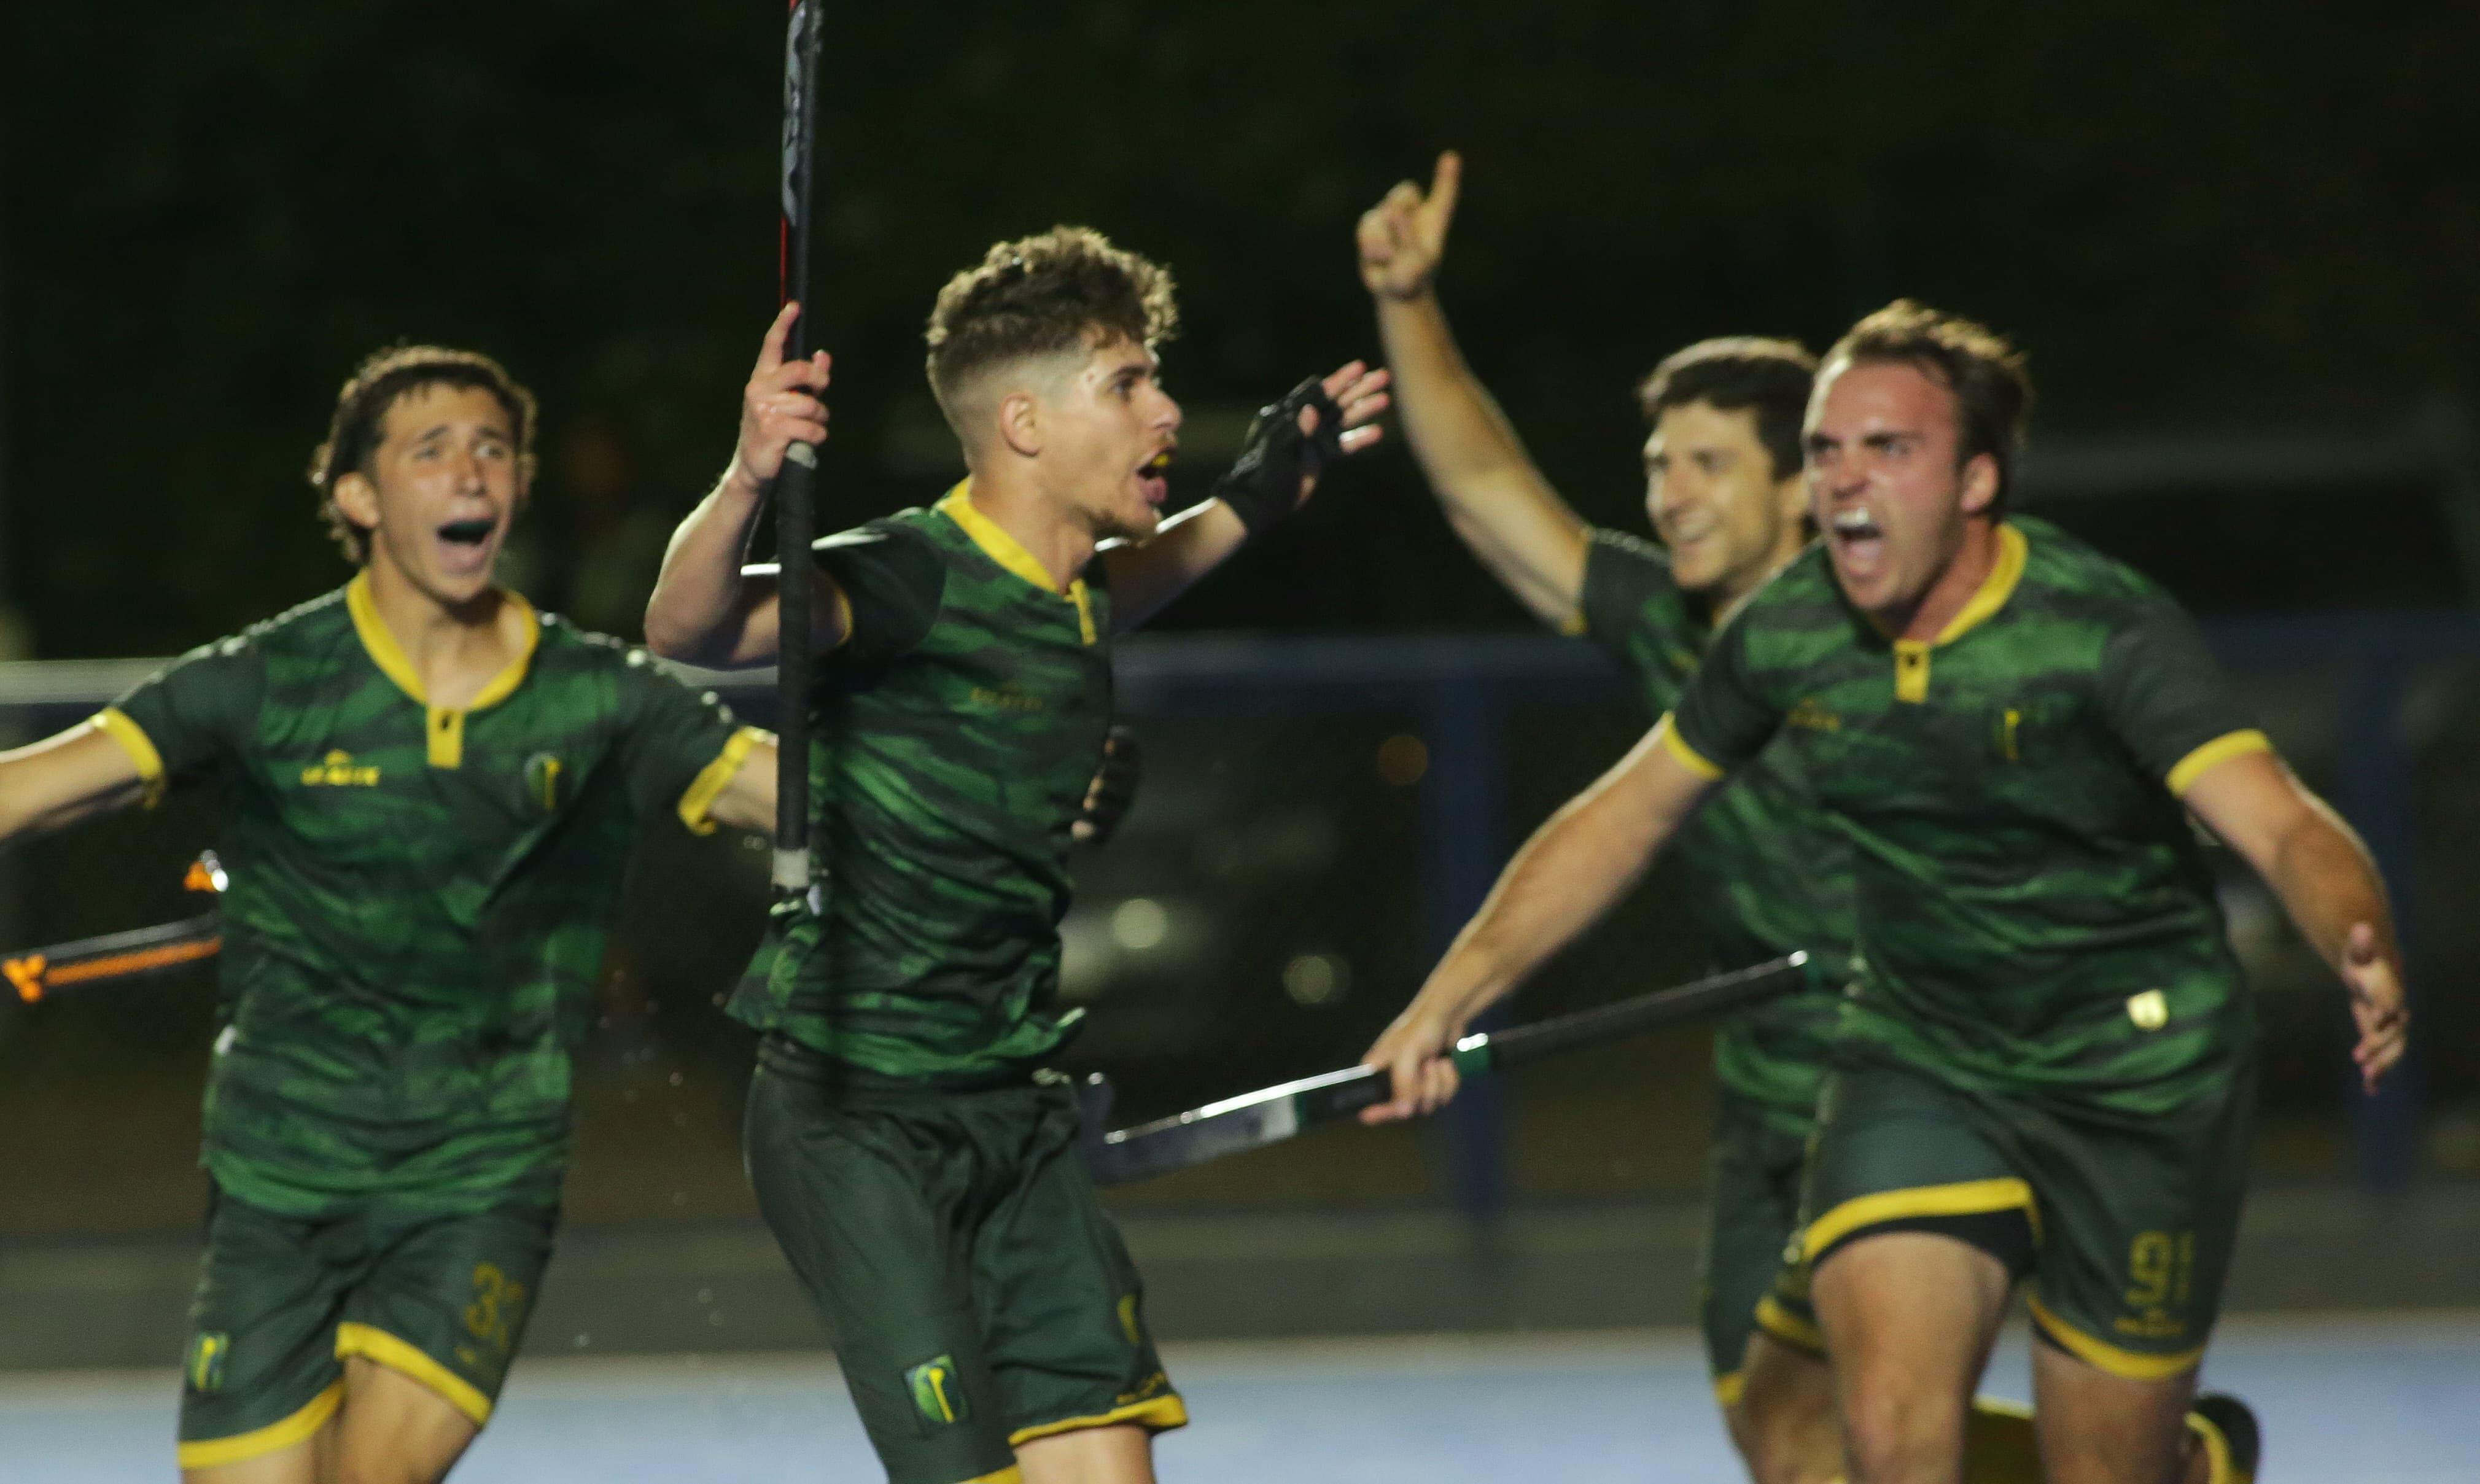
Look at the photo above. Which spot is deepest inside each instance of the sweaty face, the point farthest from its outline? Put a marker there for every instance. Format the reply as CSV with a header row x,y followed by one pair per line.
x,y
1108,433
442,488
1711,492
1883,482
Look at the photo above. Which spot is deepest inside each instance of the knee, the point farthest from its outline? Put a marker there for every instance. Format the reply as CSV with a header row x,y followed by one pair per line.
x,y
1899,1434
1785,1424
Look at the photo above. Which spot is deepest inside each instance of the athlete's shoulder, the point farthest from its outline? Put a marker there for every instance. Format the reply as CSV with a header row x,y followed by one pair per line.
x,y
2065,572
1801,591
309,627
561,643
909,537
1620,546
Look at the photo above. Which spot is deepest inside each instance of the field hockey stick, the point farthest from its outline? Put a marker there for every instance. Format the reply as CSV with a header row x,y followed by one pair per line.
x,y
1272,1115
37,973
795,514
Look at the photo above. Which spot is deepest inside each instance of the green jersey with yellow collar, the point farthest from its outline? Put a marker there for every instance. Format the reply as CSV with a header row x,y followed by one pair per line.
x,y
955,732
2035,914
419,895
1767,874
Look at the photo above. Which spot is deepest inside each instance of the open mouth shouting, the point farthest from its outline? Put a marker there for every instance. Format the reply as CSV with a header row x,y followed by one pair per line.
x,y
466,547
1155,476
1859,546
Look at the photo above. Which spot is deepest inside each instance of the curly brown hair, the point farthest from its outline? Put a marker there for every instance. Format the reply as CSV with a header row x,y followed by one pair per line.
x,y
1992,391
360,419
1041,295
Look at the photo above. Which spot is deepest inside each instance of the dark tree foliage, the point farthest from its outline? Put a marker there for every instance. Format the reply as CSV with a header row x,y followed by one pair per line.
x,y
2189,212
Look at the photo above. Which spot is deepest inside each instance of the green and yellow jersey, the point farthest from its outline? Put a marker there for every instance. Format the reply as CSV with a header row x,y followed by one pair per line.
x,y
955,733
1766,874
419,895
2035,914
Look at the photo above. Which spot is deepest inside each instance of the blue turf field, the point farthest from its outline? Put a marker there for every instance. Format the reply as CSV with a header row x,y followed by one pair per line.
x,y
2346,1401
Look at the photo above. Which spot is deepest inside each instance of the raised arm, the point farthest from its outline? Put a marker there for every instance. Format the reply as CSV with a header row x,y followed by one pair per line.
x,y
2327,883
65,778
1274,475
1574,869
1496,498
702,611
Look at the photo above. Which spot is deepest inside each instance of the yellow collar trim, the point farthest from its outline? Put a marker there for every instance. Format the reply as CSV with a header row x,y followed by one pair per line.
x,y
957,505
442,726
1995,589
1912,656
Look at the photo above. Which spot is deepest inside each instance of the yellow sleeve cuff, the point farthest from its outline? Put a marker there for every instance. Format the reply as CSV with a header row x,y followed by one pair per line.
x,y
140,748
697,805
1694,762
2213,753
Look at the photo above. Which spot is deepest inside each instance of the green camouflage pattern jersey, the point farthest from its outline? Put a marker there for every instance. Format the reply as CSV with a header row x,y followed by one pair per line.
x,y
418,896
2035,914
1767,874
956,731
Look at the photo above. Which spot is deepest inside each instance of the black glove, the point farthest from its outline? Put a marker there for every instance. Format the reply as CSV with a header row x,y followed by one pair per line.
x,y
1264,484
1114,788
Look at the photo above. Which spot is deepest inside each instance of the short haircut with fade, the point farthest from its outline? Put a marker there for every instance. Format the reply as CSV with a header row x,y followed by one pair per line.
x,y
1043,295
1993,391
360,421
1735,373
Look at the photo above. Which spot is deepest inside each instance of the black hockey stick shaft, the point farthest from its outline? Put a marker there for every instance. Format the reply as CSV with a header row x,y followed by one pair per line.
x,y
795,510
1497,1049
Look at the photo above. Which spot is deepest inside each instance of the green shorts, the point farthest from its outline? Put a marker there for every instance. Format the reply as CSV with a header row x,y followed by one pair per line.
x,y
975,1294
281,1302
1753,1211
2124,1226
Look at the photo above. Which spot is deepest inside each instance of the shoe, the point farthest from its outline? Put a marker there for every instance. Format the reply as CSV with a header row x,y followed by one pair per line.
x,y
2227,1426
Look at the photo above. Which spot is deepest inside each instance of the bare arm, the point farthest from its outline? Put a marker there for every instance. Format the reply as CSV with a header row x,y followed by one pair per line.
x,y
71,776
1146,577
1494,495
1574,869
2327,883
702,611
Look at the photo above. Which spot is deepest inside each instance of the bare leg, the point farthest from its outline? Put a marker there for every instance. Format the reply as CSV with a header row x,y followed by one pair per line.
x,y
1909,1317
394,1430
1784,1420
310,1461
2097,1428
1090,1455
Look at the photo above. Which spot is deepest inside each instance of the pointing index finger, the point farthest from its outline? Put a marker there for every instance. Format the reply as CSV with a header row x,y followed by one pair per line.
x,y
1444,183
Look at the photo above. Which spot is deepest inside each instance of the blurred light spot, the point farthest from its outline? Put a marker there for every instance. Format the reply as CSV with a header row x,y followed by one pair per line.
x,y
1139,923
1316,979
1403,759
1086,954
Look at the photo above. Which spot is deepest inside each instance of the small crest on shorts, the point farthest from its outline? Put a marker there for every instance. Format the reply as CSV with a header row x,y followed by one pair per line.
x,y
937,1396
206,1368
2150,1011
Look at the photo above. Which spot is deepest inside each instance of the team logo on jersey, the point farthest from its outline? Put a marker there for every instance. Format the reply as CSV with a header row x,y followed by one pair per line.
x,y
2150,1011
206,1368
545,777
338,770
1007,698
937,1396
1811,713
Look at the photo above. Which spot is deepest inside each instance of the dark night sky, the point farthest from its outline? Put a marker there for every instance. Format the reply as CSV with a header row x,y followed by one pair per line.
x,y
2195,215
